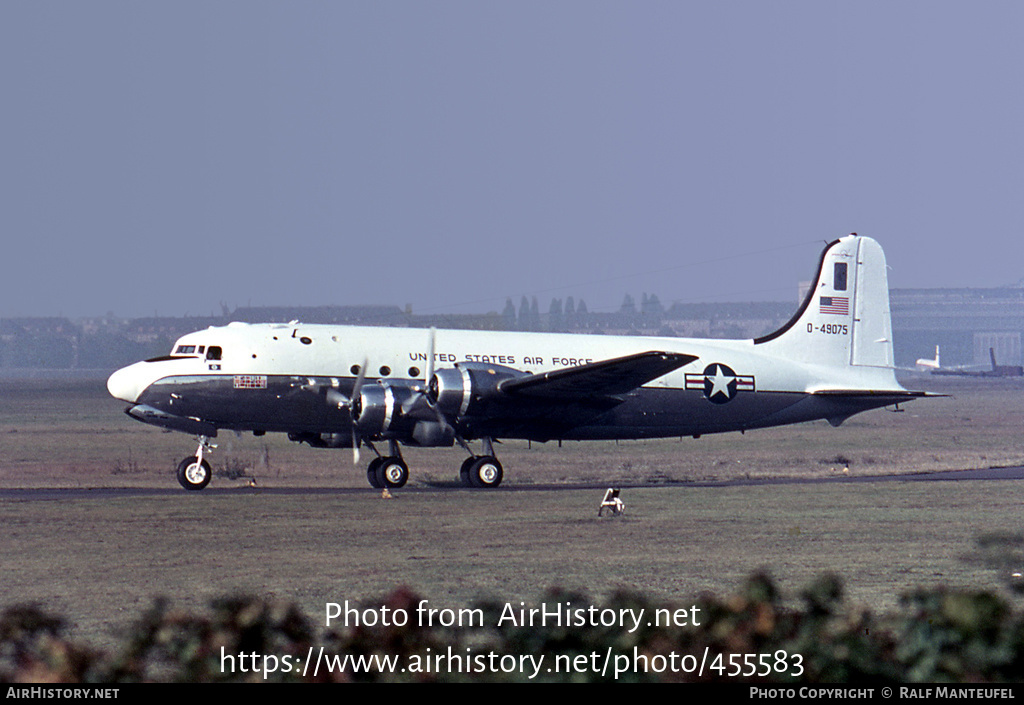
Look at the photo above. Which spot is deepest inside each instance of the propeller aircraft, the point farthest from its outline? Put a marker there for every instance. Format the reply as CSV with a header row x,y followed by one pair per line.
x,y
357,386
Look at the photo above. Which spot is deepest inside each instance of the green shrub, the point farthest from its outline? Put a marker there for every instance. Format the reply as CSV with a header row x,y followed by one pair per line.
x,y
936,635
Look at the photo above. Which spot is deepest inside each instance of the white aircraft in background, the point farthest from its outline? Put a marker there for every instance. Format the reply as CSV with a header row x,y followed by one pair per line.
x,y
352,386
925,365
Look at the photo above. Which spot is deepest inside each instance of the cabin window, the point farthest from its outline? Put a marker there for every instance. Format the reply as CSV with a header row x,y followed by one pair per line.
x,y
214,352
185,350
839,280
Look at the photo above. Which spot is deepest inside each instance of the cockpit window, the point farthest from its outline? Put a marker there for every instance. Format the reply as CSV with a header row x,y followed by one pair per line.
x,y
213,353
185,350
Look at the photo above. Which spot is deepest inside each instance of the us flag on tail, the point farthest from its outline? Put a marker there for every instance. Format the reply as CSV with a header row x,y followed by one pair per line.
x,y
835,305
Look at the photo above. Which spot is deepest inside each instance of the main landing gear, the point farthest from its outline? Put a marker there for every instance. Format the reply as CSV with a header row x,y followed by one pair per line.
x,y
387,472
390,471
194,472
481,471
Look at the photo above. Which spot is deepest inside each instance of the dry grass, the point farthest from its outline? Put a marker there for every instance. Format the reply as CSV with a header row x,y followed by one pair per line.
x,y
101,560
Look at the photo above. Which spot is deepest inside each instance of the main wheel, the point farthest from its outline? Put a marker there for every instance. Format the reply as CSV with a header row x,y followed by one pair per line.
x,y
194,475
485,472
392,472
464,471
371,472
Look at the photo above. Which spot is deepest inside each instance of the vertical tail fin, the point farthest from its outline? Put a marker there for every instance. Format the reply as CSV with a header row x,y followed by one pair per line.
x,y
845,319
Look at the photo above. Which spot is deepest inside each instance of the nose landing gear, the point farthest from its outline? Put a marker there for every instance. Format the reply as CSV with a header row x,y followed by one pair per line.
x,y
194,473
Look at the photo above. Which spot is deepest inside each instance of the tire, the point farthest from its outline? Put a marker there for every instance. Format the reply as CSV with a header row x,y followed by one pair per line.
x,y
193,475
371,472
464,471
486,472
392,472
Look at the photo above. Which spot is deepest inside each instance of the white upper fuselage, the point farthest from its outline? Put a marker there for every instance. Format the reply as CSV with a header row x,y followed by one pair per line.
x,y
401,353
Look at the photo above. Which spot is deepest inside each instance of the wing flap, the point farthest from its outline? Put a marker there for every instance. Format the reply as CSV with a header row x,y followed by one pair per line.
x,y
598,379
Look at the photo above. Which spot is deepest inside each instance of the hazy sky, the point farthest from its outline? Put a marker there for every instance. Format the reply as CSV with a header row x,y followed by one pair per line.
x,y
169,156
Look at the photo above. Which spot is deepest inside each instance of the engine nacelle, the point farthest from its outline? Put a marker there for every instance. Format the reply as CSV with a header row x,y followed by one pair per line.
x,y
400,410
457,391
379,410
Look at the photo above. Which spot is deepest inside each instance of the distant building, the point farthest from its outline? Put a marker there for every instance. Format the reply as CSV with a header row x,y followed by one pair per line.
x,y
379,315
39,342
966,323
153,329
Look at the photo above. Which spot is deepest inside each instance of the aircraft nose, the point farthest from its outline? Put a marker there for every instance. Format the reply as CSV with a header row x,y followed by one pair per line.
x,y
126,384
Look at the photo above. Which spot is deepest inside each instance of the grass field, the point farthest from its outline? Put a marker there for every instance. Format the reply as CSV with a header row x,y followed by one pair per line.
x,y
100,561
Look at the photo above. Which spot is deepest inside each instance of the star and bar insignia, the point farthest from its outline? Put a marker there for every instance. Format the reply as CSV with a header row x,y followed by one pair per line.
x,y
719,383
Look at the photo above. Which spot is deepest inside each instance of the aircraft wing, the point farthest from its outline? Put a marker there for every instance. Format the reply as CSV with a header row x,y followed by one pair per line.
x,y
597,379
547,405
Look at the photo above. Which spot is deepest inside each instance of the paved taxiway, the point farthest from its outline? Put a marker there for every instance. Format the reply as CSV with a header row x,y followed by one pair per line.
x,y
44,494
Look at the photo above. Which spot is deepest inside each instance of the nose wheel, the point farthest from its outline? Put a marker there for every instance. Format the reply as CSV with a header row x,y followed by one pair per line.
x,y
194,473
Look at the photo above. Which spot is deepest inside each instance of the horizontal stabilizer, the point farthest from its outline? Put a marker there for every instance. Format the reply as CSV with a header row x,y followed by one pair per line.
x,y
607,377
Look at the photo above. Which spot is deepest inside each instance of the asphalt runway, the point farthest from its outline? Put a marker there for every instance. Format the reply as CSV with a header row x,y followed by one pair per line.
x,y
49,494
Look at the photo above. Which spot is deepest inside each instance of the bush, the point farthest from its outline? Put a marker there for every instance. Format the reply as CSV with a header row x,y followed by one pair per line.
x,y
936,635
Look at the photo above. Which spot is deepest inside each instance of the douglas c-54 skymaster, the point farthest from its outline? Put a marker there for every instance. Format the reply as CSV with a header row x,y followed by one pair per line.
x,y
347,386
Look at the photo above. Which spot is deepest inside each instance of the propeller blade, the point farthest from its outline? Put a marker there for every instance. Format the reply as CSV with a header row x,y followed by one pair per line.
x,y
419,403
360,378
356,392
341,401
430,359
